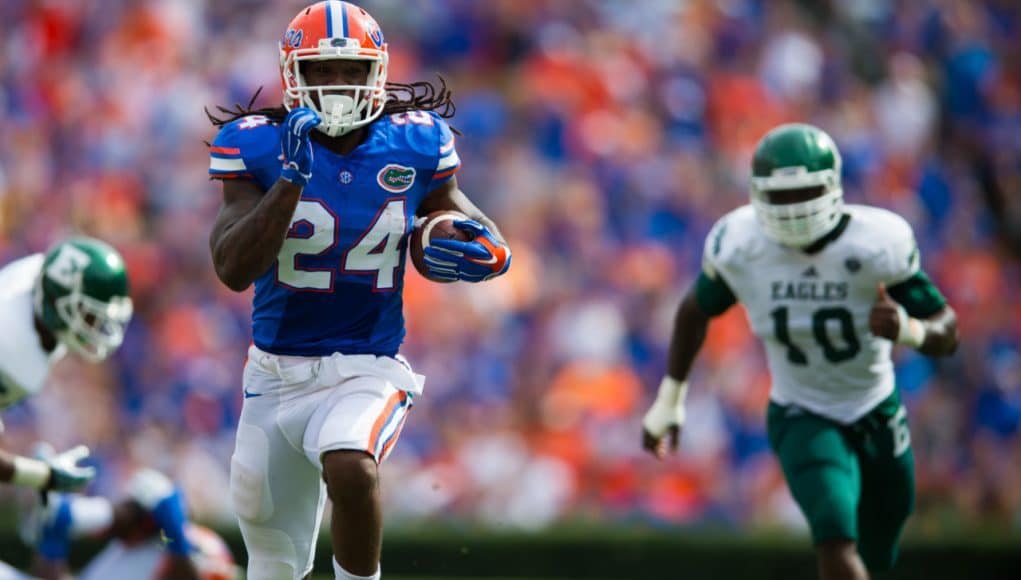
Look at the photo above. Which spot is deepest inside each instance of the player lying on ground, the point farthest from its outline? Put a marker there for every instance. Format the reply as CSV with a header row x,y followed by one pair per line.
x,y
829,289
149,536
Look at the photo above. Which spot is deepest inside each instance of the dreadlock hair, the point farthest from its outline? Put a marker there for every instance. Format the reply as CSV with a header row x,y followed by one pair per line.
x,y
400,97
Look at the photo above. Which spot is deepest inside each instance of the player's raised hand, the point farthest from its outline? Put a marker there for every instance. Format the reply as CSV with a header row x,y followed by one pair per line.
x,y
480,259
884,318
65,473
662,424
297,146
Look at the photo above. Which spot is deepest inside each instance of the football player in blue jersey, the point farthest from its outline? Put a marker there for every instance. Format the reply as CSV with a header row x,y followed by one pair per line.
x,y
319,197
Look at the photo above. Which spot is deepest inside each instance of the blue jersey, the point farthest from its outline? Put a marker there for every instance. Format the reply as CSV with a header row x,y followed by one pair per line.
x,y
336,285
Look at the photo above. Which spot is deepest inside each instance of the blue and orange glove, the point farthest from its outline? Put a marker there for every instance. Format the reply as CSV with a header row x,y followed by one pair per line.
x,y
165,502
477,260
297,146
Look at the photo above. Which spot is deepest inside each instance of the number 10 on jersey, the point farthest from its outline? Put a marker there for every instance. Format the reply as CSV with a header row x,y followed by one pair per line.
x,y
376,252
834,353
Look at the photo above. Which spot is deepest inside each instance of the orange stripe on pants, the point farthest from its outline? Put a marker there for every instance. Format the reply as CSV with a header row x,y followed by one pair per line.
x,y
377,427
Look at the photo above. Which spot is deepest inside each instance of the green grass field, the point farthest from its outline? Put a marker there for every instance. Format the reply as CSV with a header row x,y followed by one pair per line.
x,y
636,553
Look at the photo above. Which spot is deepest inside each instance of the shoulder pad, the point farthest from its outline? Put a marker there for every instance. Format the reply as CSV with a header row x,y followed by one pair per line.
x,y
427,137
244,145
883,225
421,132
729,237
893,240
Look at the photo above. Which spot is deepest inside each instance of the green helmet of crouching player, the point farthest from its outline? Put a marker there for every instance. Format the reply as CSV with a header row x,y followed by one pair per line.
x,y
81,296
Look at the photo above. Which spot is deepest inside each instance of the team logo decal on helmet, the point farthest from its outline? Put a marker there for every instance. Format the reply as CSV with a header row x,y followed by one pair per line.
x,y
81,296
335,30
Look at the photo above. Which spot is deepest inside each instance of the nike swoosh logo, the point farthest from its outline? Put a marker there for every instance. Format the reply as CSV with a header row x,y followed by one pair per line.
x,y
249,395
491,260
492,252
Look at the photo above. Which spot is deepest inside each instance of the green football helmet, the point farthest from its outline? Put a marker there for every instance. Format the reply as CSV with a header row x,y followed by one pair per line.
x,y
797,157
81,296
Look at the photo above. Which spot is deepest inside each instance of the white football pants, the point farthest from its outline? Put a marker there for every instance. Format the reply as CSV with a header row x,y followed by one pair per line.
x,y
295,410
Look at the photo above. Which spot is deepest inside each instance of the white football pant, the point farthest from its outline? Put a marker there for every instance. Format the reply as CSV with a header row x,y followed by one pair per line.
x,y
295,410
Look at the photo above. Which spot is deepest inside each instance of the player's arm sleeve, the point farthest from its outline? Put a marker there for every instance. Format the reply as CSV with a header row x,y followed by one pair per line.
x,y
226,160
906,282
918,295
712,292
447,161
244,149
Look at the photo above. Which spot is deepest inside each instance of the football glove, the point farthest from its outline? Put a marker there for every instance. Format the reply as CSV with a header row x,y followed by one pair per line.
x,y
477,260
297,145
51,470
165,503
665,417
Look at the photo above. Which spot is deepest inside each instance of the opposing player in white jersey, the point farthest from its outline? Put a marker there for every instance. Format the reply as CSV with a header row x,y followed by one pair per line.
x,y
828,288
74,297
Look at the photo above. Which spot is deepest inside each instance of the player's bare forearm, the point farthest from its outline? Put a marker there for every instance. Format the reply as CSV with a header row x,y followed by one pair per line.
x,y
690,326
935,335
250,230
941,338
449,197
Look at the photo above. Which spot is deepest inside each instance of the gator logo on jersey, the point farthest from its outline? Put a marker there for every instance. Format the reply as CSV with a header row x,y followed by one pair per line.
x,y
396,178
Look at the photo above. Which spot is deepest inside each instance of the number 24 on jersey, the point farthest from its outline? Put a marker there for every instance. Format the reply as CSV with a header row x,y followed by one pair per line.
x,y
376,253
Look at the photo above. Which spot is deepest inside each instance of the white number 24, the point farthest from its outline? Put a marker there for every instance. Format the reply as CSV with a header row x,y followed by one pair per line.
x,y
376,252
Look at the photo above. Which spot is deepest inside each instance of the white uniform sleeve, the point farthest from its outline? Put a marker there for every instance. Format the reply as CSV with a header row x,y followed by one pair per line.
x,y
712,252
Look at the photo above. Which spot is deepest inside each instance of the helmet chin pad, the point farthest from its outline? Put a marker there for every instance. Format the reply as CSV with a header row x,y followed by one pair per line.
x,y
338,114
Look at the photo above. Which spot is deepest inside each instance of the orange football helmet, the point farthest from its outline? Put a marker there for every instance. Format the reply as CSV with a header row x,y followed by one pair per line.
x,y
335,30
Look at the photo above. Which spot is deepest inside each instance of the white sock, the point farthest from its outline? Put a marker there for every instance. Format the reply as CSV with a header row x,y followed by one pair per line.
x,y
343,574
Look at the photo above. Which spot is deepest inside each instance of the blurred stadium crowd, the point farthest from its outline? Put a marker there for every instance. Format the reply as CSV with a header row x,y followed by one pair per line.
x,y
605,137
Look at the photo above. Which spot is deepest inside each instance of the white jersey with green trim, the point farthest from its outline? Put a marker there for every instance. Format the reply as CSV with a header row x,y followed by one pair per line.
x,y
811,311
24,365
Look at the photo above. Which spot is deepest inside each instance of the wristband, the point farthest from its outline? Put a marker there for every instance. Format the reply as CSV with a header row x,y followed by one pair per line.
x,y
668,408
31,473
672,392
910,331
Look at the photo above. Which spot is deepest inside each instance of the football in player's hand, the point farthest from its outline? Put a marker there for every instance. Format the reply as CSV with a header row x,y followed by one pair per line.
x,y
435,226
